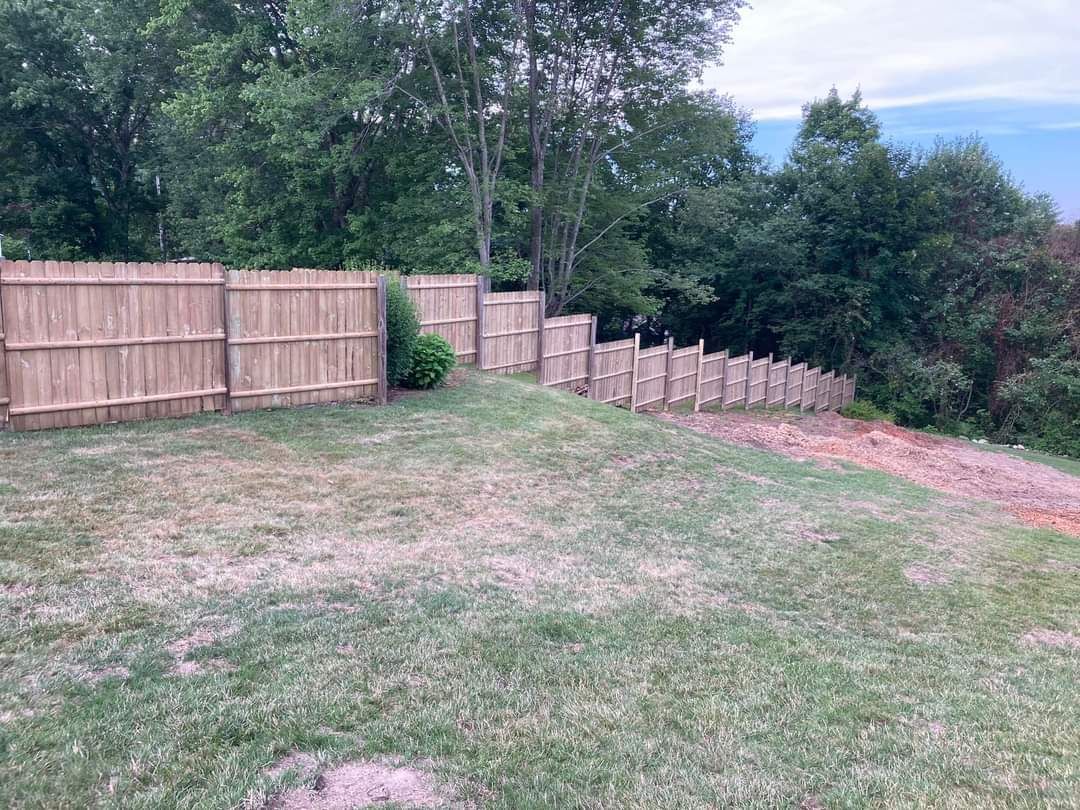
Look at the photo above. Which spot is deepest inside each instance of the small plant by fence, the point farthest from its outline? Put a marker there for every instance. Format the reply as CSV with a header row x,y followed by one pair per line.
x,y
84,343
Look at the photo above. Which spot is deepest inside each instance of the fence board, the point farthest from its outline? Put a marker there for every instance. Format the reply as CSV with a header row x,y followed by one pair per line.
x,y
682,384
511,336
567,342
302,336
447,306
711,387
611,380
758,387
85,341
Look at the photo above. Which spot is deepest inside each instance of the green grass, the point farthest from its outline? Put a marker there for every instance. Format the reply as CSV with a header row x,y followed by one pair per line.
x,y
556,602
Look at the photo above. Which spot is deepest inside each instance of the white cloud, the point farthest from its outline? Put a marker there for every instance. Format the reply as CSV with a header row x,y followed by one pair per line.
x,y
902,53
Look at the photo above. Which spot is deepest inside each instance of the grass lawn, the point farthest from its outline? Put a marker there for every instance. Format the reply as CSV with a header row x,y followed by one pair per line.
x,y
546,601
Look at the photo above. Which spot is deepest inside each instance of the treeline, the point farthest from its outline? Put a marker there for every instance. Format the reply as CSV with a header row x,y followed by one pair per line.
x,y
552,144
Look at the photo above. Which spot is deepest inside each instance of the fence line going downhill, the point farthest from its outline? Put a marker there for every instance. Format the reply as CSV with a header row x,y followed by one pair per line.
x,y
84,343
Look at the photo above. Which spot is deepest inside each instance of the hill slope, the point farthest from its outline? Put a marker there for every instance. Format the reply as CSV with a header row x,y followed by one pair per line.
x,y
529,600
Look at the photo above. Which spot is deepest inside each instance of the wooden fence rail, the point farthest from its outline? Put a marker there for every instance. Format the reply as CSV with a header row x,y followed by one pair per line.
x,y
84,343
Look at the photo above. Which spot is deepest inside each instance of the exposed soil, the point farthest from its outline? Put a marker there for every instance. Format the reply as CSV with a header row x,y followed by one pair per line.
x,y
1035,493
357,784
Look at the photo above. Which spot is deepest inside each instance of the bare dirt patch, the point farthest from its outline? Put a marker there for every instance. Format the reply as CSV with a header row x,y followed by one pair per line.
x,y
1044,637
925,575
202,637
1036,494
361,783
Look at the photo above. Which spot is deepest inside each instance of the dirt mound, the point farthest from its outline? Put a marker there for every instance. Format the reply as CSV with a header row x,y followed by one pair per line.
x,y
360,783
1035,493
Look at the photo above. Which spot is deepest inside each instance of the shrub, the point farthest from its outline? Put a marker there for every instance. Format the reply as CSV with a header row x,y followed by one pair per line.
x,y
402,329
432,361
867,411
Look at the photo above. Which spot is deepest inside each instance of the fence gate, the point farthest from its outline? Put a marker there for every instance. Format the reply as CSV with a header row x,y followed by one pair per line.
x,y
304,336
94,342
510,331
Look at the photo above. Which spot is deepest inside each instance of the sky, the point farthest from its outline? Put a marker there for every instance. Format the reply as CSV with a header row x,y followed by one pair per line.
x,y
1007,71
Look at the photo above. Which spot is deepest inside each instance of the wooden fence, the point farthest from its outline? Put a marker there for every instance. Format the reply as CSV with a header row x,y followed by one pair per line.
x,y
86,343
449,306
305,336
511,336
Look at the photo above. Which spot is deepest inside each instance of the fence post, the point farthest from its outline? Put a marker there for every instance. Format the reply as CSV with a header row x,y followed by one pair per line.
x,y
633,374
724,382
481,284
749,376
667,371
787,380
697,380
540,339
5,389
227,410
591,369
380,298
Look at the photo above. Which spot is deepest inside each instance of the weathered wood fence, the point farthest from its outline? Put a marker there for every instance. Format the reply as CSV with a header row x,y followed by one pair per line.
x,y
85,343
507,333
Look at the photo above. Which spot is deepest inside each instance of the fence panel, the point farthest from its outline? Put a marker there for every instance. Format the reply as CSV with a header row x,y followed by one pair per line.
x,y
776,393
809,389
651,380
303,336
824,389
736,372
567,342
849,391
511,336
447,306
759,382
711,385
611,380
795,384
95,342
836,396
5,396
682,384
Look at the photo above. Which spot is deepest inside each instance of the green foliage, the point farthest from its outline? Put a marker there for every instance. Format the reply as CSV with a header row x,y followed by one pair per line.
x,y
432,361
867,411
402,331
1044,405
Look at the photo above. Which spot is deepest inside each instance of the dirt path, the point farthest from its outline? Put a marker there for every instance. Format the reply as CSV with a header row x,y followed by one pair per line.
x,y
1035,493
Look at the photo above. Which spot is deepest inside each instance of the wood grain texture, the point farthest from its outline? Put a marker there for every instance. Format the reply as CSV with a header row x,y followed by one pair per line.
x,y
566,349
447,306
301,336
511,336
611,379
94,342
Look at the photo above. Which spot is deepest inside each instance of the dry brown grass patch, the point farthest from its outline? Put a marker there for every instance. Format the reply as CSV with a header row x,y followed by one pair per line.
x,y
362,783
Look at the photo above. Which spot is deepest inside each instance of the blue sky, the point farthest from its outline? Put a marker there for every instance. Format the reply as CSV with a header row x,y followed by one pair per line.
x,y
1007,71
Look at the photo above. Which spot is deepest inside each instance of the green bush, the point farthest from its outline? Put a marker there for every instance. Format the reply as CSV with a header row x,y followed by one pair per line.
x,y
867,411
432,361
402,330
